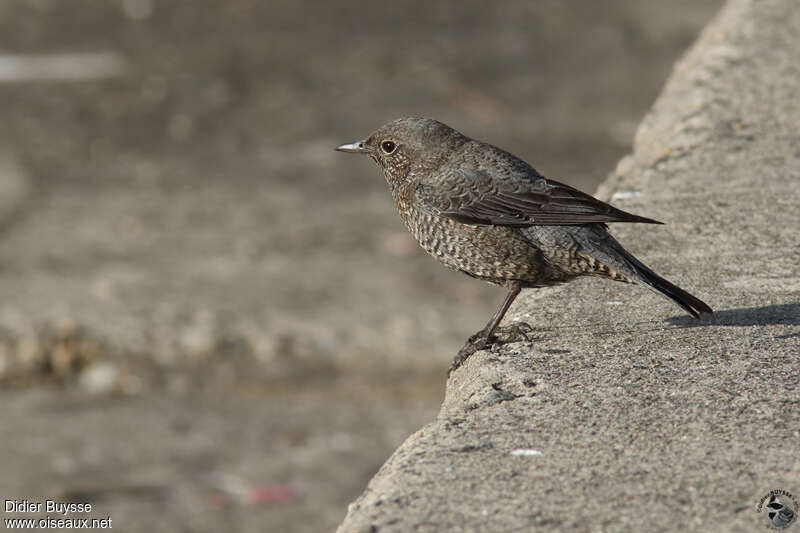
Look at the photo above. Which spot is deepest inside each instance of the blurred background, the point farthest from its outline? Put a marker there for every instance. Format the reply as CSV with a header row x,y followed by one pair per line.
x,y
208,318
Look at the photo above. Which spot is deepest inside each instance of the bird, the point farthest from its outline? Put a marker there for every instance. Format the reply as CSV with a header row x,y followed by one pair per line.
x,y
485,212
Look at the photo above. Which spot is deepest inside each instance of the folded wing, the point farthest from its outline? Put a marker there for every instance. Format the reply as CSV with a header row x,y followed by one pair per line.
x,y
475,196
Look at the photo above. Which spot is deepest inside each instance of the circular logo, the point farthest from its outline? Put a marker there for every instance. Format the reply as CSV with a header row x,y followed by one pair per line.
x,y
779,508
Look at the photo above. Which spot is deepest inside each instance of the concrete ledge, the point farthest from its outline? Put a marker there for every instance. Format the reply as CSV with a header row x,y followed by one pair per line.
x,y
621,414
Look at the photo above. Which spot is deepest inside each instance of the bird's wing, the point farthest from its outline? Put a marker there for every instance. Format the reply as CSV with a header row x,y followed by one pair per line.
x,y
477,197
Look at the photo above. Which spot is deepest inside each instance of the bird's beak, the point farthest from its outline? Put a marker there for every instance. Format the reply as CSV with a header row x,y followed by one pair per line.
x,y
357,147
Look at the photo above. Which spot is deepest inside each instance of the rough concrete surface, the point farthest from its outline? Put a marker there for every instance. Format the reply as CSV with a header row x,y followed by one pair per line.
x,y
622,414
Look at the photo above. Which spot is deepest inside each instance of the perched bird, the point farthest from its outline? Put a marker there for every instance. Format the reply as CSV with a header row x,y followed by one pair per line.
x,y
484,212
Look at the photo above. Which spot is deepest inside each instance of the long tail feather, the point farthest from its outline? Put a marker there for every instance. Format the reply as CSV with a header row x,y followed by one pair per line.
x,y
689,303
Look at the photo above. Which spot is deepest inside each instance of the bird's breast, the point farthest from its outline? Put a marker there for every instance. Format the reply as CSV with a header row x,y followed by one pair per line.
x,y
493,253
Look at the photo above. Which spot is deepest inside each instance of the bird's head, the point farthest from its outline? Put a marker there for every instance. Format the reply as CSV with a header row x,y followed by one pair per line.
x,y
408,144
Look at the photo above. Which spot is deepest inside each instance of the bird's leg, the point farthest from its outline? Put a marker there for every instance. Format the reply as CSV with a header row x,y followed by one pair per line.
x,y
480,340
514,287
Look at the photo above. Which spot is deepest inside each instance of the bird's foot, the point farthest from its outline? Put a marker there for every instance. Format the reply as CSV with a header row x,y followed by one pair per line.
x,y
516,332
473,344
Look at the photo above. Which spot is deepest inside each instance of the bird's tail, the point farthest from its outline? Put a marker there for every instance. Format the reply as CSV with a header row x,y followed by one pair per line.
x,y
689,303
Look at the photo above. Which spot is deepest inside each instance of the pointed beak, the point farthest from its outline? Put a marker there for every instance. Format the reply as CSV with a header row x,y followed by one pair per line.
x,y
357,147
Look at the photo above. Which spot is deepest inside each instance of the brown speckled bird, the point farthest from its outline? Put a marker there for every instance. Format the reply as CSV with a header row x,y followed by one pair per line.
x,y
483,211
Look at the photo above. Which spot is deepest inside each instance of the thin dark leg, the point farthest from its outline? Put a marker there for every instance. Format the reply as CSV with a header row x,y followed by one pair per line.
x,y
514,288
481,339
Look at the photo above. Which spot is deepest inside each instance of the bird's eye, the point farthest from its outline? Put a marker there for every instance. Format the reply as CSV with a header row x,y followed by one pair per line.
x,y
388,146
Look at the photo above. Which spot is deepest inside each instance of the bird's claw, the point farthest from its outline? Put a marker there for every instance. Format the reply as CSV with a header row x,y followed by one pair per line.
x,y
480,341
515,332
